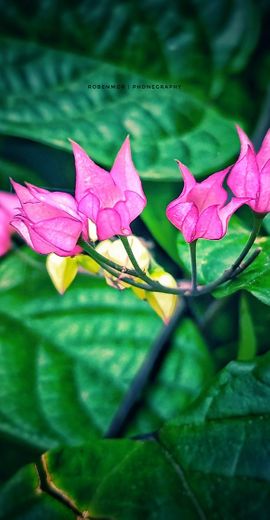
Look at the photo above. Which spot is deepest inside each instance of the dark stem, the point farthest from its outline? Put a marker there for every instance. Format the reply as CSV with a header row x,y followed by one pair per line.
x,y
193,261
141,379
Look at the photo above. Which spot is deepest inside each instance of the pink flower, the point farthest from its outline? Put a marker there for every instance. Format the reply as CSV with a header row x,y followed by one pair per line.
x,y
201,210
110,200
48,221
250,176
8,205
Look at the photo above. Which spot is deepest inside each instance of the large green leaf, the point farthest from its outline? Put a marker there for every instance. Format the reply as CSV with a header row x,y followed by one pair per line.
x,y
49,101
66,361
165,38
21,499
17,172
211,462
216,256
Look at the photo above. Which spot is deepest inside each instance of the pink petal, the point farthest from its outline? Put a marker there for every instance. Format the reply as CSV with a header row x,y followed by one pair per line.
x,y
5,232
227,211
210,191
36,242
91,178
22,228
244,177
209,225
263,154
184,216
124,172
134,204
5,242
262,204
109,224
57,199
23,193
245,142
9,202
189,181
61,232
89,206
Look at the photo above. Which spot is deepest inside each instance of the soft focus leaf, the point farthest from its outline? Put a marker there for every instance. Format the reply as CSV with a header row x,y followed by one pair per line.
x,y
21,499
49,103
247,337
66,361
210,462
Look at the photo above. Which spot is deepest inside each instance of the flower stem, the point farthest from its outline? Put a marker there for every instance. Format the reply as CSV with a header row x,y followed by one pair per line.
x,y
140,273
236,267
193,261
100,259
150,285
254,233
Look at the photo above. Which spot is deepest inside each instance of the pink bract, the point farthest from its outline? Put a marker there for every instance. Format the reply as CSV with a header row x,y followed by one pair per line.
x,y
8,204
48,221
110,200
201,210
250,176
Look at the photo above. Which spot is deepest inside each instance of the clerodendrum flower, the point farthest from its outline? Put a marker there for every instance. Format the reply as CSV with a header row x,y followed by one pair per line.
x,y
250,175
8,205
48,221
109,200
201,210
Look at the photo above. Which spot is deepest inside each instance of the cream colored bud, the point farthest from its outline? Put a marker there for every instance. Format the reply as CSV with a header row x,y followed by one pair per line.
x,y
118,254
163,304
88,264
62,271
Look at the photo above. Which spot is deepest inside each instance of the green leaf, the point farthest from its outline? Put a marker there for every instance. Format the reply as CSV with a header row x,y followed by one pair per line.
x,y
66,361
16,172
49,104
247,341
21,499
216,256
165,38
211,462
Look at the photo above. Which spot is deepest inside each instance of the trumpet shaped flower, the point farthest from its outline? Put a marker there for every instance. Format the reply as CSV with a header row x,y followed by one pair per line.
x,y
8,205
109,200
201,210
250,176
48,221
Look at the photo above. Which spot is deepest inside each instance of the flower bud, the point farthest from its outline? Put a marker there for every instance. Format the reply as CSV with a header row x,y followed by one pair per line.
x,y
62,271
163,304
118,254
88,264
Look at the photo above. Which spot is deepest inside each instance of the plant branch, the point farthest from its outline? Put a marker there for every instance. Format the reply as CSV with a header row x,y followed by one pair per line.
x,y
150,285
102,259
141,379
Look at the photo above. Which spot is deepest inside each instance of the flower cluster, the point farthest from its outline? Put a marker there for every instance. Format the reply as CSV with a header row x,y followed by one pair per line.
x,y
106,203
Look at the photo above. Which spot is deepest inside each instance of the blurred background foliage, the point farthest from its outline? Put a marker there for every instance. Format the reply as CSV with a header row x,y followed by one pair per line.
x,y
66,362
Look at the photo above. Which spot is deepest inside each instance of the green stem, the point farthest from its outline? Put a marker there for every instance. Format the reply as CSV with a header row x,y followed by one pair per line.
x,y
236,267
100,259
193,261
140,273
254,233
151,285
